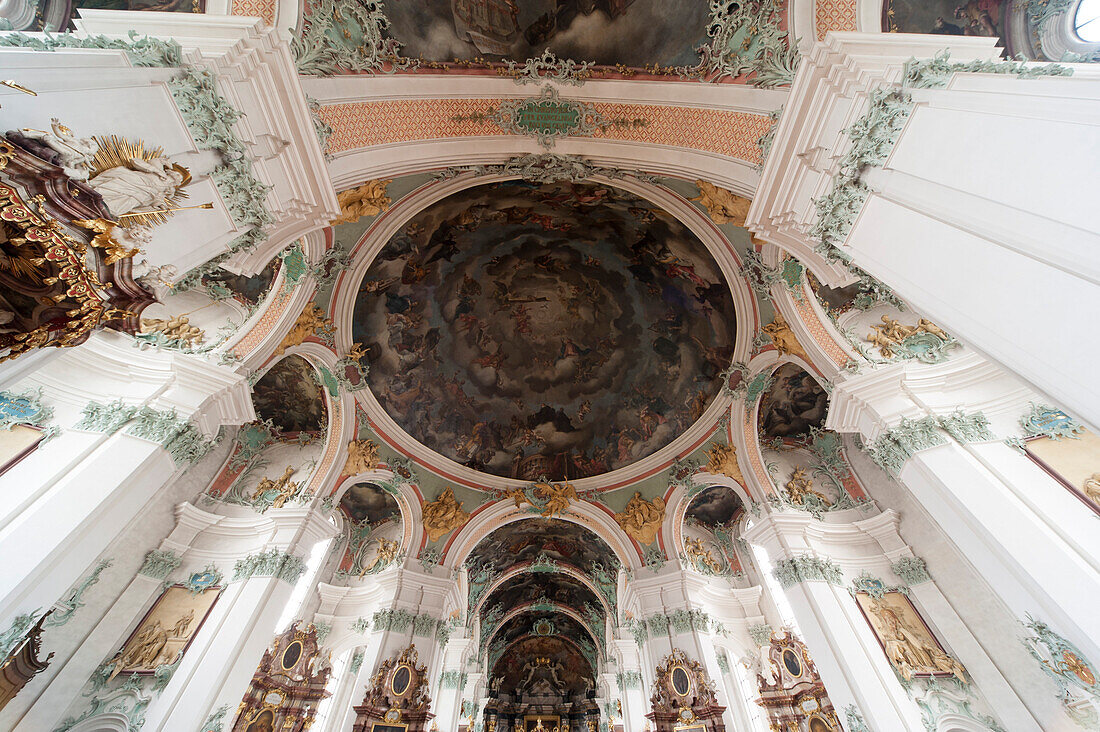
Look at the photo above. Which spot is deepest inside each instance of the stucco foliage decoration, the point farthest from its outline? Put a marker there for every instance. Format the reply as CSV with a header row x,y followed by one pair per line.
x,y
1046,421
340,36
629,680
548,67
159,563
1074,674
911,570
894,447
854,719
761,634
936,73
216,720
177,435
790,572
452,680
545,168
64,609
142,51
873,137
746,38
270,563
875,133
19,627
356,661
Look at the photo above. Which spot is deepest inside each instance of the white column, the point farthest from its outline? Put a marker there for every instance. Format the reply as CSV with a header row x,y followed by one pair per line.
x,y
847,656
979,208
69,499
1033,542
225,654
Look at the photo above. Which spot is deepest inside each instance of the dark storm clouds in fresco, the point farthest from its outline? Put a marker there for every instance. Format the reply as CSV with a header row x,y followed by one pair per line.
x,y
288,395
535,586
715,506
563,330
608,32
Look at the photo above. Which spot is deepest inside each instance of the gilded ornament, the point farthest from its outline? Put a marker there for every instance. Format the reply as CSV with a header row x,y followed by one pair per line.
x,y
129,177
104,239
702,557
387,553
443,515
723,206
888,336
784,339
556,497
369,199
177,328
800,487
722,460
277,491
362,456
309,322
642,519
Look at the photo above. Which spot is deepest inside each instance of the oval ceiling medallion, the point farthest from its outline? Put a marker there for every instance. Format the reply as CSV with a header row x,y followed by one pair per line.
x,y
559,330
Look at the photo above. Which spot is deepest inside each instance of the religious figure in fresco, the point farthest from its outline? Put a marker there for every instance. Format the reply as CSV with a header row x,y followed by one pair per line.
x,y
536,330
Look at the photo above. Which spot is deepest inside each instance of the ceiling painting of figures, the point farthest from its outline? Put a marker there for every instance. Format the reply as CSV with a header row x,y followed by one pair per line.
x,y
563,670
540,587
289,395
794,404
945,17
718,505
560,541
561,330
633,33
369,503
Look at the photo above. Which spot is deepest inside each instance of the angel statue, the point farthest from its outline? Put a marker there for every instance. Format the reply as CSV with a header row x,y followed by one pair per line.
x,y
143,184
60,147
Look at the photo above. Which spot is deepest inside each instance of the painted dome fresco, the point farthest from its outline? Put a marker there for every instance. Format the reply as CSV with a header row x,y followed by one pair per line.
x,y
563,329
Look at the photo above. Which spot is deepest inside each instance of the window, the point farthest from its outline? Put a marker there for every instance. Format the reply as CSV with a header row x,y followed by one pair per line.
x,y
1087,21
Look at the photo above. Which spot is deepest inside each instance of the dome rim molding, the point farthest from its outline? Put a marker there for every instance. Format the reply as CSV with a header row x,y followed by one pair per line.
x,y
379,233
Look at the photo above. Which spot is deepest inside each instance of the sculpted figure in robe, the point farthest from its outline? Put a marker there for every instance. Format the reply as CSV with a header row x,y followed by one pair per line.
x,y
362,456
144,184
722,460
61,147
443,514
641,519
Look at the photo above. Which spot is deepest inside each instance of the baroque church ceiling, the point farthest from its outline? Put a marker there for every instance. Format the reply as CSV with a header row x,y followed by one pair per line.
x,y
561,330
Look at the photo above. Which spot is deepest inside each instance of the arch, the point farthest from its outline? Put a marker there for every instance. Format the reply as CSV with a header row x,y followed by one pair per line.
x,y
527,609
486,519
520,569
392,221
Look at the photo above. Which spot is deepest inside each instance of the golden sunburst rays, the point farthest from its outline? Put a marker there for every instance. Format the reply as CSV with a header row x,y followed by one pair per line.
x,y
115,151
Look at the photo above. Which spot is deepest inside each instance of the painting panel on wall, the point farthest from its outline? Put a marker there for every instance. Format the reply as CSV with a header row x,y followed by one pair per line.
x,y
163,6
166,631
794,404
1072,461
16,443
905,638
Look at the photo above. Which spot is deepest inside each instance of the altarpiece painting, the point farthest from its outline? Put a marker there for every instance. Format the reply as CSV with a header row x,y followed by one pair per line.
x,y
905,638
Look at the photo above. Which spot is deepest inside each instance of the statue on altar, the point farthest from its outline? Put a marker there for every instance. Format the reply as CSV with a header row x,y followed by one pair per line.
x,y
58,146
142,184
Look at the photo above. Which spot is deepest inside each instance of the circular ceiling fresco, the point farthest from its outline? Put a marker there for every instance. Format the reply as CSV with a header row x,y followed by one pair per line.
x,y
563,330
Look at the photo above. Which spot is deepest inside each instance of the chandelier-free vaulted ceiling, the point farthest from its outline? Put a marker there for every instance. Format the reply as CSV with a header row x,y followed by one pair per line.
x,y
561,330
